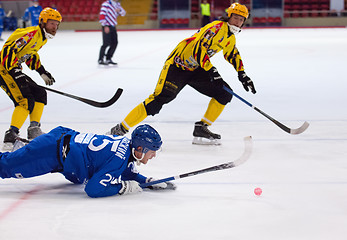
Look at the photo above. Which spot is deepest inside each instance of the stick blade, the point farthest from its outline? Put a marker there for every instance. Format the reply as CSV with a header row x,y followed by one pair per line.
x,y
301,129
111,101
246,153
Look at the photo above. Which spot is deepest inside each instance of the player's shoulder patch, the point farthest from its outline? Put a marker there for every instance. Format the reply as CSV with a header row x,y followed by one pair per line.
x,y
219,25
209,34
20,42
30,35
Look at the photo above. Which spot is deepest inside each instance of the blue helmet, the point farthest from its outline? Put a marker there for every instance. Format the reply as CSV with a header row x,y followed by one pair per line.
x,y
146,137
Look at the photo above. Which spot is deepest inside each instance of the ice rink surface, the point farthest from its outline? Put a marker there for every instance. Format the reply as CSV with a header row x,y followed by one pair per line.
x,y
299,75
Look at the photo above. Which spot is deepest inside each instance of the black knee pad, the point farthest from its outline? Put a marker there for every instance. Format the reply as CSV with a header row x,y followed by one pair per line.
x,y
40,94
34,94
153,107
28,95
224,97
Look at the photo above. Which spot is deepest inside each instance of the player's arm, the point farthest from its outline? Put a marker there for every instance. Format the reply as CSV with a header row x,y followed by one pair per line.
x,y
109,182
8,53
131,173
232,55
26,15
12,48
10,61
104,184
34,63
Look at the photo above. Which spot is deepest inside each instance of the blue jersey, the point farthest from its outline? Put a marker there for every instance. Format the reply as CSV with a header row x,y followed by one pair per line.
x,y
2,15
101,162
34,14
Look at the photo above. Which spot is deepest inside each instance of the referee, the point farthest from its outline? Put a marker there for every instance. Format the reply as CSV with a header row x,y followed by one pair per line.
x,y
109,12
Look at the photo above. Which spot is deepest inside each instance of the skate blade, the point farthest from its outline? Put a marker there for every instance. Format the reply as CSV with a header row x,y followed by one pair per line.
x,y
19,144
206,141
7,147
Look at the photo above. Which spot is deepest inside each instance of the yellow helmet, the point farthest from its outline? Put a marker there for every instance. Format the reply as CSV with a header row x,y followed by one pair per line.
x,y
49,13
238,9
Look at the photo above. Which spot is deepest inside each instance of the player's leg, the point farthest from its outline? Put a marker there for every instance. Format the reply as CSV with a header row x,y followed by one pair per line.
x,y
214,89
34,129
170,83
40,95
37,158
19,116
23,100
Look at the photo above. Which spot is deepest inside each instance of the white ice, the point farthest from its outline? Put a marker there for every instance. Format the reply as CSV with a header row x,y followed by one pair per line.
x,y
299,75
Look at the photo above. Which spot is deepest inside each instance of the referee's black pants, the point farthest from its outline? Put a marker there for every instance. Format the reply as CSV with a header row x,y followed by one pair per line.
x,y
109,40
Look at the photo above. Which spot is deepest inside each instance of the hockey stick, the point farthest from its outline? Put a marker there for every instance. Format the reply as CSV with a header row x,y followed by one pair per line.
x,y
88,101
299,130
237,162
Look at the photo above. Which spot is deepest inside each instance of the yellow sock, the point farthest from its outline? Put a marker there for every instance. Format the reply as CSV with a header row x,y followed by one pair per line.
x,y
137,115
19,116
35,115
213,111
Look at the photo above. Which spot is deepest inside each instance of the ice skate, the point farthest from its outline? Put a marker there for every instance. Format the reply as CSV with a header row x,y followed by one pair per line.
x,y
9,139
203,136
118,130
110,62
102,62
34,131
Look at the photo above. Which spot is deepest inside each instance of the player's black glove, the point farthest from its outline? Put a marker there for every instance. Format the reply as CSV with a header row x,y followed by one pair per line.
x,y
46,76
161,186
246,82
214,75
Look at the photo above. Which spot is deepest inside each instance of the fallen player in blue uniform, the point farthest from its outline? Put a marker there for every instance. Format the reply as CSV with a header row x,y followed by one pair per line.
x,y
104,163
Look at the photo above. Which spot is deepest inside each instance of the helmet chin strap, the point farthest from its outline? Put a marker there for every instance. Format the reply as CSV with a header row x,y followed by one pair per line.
x,y
235,30
138,160
48,35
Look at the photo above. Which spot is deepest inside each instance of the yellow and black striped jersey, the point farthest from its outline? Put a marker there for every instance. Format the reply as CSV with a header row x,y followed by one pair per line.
x,y
197,50
22,46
